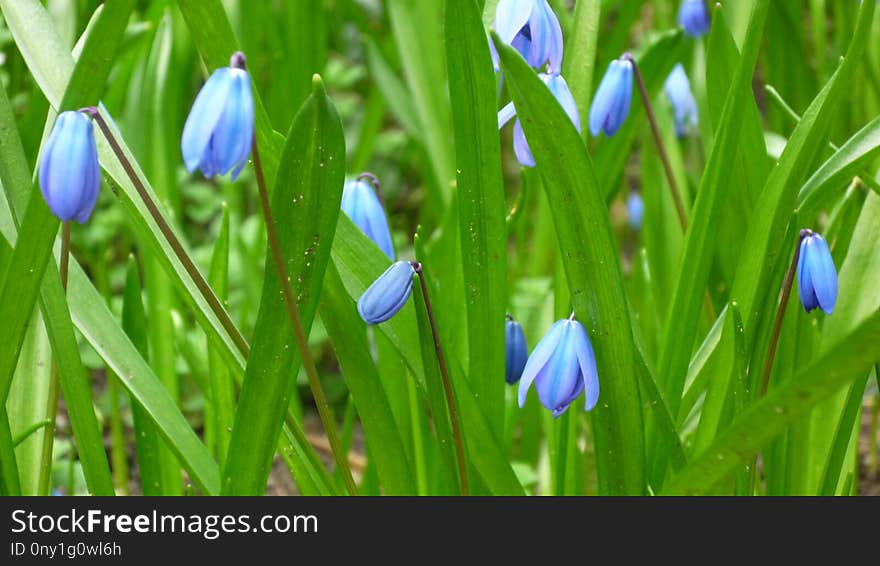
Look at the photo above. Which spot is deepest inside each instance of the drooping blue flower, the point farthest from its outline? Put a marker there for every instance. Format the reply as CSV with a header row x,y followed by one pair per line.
x,y
70,175
360,203
562,366
817,276
613,98
387,294
219,131
559,88
515,349
684,107
635,210
532,28
694,17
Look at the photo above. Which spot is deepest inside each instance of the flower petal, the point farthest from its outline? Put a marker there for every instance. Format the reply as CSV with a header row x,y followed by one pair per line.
x,y
559,381
387,294
506,114
521,146
538,359
510,17
203,117
587,360
823,274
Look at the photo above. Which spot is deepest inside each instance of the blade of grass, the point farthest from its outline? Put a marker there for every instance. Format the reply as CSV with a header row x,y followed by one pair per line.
x,y
680,330
146,438
844,362
222,402
481,208
306,201
579,64
592,267
843,436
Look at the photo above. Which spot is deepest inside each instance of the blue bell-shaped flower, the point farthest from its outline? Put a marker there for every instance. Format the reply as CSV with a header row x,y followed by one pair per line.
x,y
694,17
817,276
684,107
532,28
613,99
70,175
560,90
516,352
562,366
387,294
360,203
219,130
635,210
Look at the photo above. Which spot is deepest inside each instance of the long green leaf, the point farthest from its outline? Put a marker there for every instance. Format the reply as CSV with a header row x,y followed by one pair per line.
x,y
841,364
579,64
481,210
306,203
681,326
592,268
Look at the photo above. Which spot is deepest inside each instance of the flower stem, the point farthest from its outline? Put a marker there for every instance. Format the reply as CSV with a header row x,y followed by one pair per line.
x,y
170,237
298,331
43,486
780,315
658,140
447,384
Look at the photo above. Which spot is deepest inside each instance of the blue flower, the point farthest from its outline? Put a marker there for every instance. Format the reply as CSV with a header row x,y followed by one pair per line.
x,y
635,210
387,294
559,88
613,98
684,107
515,349
562,366
532,28
219,131
70,175
360,203
694,17
817,276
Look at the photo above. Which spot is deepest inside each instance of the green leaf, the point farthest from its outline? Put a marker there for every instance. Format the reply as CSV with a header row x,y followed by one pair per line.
x,y
592,267
848,360
349,337
147,443
9,481
579,64
838,170
306,203
680,329
481,210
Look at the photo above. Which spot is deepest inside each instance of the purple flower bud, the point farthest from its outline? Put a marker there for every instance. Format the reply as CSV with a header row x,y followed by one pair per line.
x,y
360,203
532,28
613,98
817,276
635,210
684,107
219,130
388,293
694,17
70,175
515,349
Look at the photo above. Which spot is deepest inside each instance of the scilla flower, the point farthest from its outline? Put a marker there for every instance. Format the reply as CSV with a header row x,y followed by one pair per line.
x,y
560,90
360,203
70,175
635,210
219,131
562,366
387,294
694,17
515,349
532,28
613,98
684,107
817,277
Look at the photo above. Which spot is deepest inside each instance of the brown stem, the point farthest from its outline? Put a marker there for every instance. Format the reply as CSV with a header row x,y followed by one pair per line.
x,y
54,385
658,140
298,330
447,384
170,237
780,315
